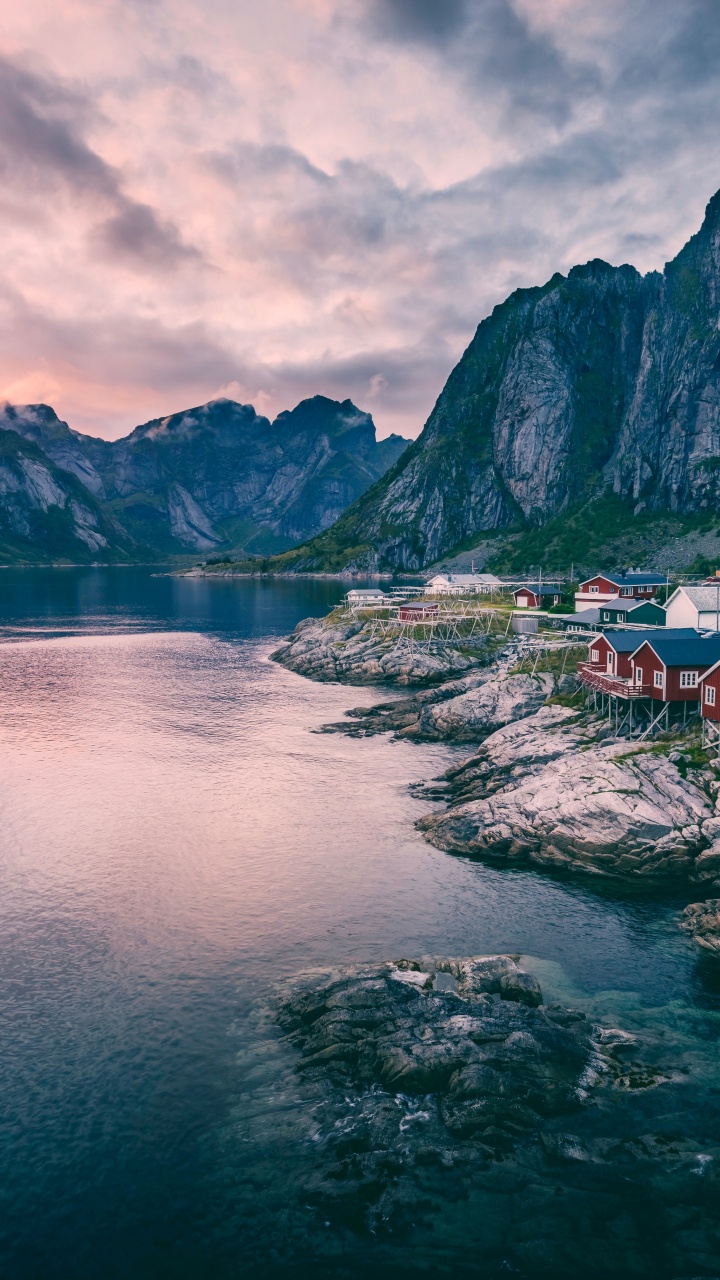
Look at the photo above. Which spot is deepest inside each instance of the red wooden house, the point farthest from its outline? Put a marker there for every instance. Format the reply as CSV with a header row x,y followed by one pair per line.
x,y
609,667
710,693
418,611
536,597
668,666
605,588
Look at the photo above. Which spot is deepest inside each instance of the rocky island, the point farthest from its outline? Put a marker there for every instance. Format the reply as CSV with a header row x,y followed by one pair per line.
x,y
441,1081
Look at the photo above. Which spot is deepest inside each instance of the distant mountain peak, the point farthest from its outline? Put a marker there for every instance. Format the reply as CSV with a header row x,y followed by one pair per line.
x,y
218,475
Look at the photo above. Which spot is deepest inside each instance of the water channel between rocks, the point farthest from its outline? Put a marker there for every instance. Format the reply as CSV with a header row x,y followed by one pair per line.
x,y
175,842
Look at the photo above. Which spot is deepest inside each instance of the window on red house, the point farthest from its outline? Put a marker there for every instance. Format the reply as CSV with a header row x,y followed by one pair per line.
x,y
709,695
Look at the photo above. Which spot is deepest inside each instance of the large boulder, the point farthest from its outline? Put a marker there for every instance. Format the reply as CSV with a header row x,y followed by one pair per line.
x,y
702,921
603,809
471,716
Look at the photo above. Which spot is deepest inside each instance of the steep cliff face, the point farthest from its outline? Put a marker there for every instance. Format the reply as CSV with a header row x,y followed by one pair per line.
x,y
46,512
219,477
600,381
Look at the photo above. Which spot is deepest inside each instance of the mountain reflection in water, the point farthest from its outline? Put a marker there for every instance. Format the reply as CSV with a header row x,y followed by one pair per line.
x,y
174,841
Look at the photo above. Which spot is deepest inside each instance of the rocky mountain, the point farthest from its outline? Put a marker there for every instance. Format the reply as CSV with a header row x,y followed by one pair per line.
x,y
47,513
217,479
604,382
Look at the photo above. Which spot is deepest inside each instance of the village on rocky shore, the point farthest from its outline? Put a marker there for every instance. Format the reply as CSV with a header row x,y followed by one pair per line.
x,y
580,762
594,731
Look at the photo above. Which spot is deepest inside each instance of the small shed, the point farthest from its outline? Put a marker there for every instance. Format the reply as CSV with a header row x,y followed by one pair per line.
x,y
418,611
536,596
588,620
524,625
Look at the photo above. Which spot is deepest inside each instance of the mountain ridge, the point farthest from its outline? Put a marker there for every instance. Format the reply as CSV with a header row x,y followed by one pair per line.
x,y
601,382
215,477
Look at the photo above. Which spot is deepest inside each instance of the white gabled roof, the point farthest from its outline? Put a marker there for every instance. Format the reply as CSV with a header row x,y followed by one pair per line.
x,y
705,598
465,579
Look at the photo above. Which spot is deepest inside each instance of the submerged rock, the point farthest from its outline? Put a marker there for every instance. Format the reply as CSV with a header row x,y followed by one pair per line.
x,y
348,652
702,921
442,1065
595,808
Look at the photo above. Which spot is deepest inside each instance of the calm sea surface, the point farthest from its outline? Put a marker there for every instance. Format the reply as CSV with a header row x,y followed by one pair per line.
x,y
173,840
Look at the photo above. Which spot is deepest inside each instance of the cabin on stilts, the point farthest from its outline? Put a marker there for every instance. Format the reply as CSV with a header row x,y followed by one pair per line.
x,y
650,681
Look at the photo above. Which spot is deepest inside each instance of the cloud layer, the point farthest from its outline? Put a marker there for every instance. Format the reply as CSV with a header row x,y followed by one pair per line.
x,y
285,197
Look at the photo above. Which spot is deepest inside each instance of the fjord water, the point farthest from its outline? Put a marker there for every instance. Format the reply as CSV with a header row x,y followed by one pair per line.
x,y
174,839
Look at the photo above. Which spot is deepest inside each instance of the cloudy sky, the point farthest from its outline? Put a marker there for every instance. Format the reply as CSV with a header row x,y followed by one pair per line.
x,y
267,199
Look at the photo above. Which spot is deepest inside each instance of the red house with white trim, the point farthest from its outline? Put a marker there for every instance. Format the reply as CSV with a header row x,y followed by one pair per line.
x,y
710,693
668,666
612,651
607,588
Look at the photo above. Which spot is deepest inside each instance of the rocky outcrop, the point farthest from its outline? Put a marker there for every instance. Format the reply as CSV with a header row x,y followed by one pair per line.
x,y
218,477
46,513
338,649
601,380
464,710
512,753
433,1070
575,806
702,921
471,716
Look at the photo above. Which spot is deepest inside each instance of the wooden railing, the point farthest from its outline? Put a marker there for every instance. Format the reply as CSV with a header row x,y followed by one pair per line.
x,y
593,676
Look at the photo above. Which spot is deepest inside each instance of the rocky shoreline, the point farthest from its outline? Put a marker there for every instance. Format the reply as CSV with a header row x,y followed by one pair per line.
x,y
446,1087
549,785
345,649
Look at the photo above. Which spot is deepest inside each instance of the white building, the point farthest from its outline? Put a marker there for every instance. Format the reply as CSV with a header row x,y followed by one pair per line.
x,y
697,607
461,584
361,597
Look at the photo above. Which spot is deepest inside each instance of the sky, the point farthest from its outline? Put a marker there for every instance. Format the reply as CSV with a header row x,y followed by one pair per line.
x,y
272,199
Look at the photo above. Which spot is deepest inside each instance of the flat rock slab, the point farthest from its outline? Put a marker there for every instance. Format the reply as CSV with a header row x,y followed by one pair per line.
x,y
607,810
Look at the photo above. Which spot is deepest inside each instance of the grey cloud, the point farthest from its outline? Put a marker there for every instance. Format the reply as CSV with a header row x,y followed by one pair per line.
x,y
40,136
246,161
491,47
135,233
41,144
425,20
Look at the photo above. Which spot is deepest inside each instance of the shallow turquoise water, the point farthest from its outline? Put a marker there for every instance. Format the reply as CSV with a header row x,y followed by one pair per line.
x,y
173,840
